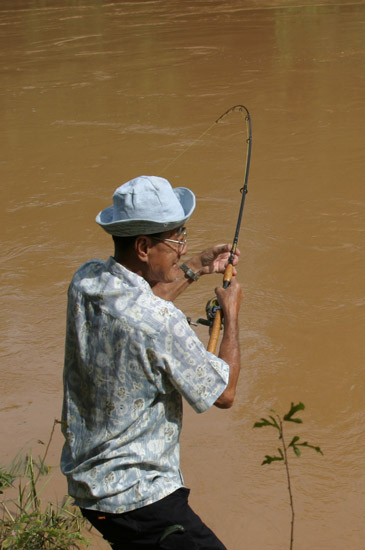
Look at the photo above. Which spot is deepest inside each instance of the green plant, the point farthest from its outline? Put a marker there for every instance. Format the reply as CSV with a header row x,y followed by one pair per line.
x,y
277,422
29,524
6,479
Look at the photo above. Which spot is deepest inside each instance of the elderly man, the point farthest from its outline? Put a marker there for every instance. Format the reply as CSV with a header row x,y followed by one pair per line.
x,y
130,358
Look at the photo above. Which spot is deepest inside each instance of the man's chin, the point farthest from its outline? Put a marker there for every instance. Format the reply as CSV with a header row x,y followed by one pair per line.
x,y
169,276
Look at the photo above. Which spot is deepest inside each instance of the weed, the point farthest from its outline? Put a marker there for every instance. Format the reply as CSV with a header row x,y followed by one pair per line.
x,y
28,524
295,444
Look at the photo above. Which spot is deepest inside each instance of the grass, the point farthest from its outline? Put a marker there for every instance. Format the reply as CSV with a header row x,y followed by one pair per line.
x,y
28,523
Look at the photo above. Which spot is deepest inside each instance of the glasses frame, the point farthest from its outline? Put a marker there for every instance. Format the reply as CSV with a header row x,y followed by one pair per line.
x,y
181,244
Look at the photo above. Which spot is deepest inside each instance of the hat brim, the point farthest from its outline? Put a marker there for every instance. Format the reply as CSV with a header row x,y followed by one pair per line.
x,y
130,227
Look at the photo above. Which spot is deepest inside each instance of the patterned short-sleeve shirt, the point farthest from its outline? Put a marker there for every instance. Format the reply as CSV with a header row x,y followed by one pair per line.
x,y
130,357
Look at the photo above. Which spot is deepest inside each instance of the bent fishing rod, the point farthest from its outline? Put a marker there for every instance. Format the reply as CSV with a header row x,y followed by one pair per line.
x,y
214,312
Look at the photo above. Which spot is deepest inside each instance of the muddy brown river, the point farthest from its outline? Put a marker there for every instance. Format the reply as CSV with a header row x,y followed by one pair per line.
x,y
94,93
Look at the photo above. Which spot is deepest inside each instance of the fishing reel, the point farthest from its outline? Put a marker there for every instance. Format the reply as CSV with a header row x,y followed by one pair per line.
x,y
211,309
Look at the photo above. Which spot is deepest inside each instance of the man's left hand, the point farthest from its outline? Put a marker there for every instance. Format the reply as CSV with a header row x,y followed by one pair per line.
x,y
215,259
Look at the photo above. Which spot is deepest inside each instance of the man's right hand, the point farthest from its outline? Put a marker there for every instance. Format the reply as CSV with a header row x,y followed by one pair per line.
x,y
230,299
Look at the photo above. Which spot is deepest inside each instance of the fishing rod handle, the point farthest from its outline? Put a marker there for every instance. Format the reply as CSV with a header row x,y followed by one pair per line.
x,y
228,274
215,331
217,323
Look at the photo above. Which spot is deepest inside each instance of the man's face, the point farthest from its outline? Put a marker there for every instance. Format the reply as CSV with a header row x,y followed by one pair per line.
x,y
164,256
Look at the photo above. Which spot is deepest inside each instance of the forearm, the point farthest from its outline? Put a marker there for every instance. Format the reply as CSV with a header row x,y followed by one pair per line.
x,y
230,352
210,260
170,291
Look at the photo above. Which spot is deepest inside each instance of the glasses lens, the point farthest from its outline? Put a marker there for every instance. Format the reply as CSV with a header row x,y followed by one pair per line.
x,y
181,243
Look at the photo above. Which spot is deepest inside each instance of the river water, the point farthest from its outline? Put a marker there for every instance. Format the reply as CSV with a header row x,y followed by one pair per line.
x,y
95,93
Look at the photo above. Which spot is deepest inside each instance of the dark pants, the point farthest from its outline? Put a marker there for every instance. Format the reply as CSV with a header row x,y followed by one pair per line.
x,y
169,524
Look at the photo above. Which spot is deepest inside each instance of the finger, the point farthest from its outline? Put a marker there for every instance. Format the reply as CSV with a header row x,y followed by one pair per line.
x,y
222,248
229,248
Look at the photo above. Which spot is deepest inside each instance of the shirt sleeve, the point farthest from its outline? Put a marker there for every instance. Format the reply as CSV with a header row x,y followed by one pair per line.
x,y
178,354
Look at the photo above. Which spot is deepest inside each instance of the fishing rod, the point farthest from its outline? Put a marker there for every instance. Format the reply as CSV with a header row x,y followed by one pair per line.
x,y
213,310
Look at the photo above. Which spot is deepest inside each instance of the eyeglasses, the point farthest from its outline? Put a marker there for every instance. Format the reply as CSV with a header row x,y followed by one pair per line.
x,y
181,244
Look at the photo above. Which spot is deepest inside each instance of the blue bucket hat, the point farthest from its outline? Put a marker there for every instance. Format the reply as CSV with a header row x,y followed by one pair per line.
x,y
146,205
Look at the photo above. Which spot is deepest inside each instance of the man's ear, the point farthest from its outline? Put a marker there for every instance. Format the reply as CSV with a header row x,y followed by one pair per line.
x,y
142,245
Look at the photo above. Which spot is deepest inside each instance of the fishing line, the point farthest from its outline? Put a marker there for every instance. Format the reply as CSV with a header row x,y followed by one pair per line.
x,y
244,111
243,190
187,148
214,313
240,108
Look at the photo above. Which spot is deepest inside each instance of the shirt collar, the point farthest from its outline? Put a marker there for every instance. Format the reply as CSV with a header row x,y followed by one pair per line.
x,y
128,277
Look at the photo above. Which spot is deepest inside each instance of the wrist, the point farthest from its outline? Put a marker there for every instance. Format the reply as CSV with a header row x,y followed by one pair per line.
x,y
195,263
190,272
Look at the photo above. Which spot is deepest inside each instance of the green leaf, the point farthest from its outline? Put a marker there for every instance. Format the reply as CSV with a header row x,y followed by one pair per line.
x,y
274,423
270,459
293,410
315,448
265,422
293,441
259,424
296,450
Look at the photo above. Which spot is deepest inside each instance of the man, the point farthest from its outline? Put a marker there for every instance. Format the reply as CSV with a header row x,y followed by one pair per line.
x,y
130,358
